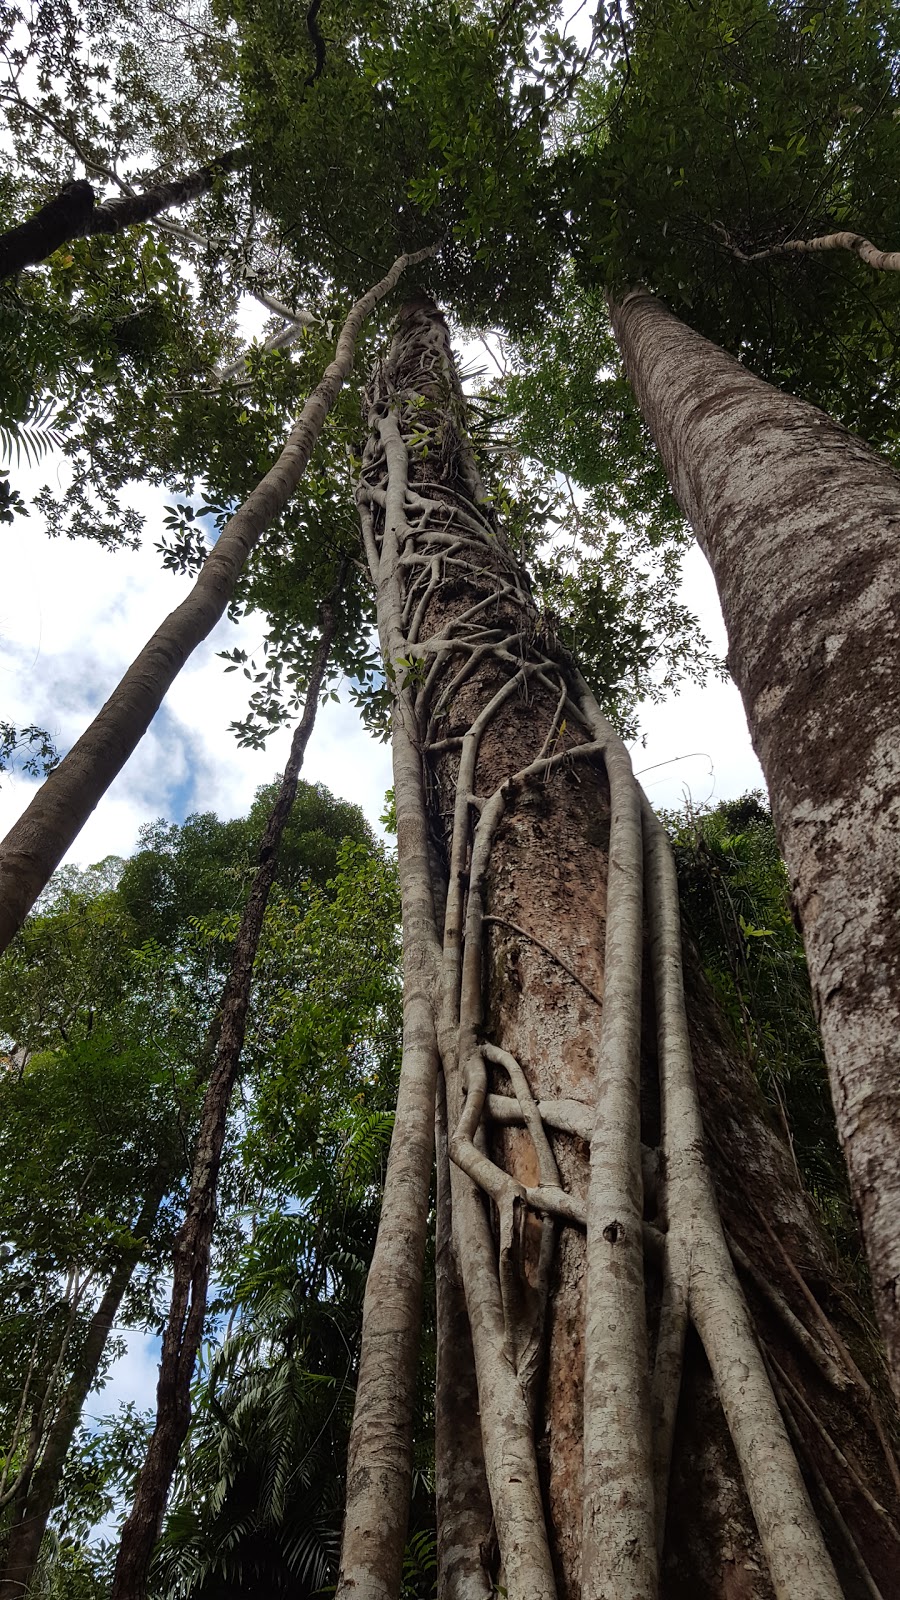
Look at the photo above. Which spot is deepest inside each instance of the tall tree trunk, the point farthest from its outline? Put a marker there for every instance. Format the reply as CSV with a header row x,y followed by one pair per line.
x,y
593,1297
73,213
40,1493
799,521
187,1309
36,844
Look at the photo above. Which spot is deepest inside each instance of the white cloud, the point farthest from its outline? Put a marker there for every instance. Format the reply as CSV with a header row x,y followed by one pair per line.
x,y
73,616
132,1377
696,744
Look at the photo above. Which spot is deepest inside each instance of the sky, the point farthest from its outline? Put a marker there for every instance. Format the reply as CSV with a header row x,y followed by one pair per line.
x,y
73,616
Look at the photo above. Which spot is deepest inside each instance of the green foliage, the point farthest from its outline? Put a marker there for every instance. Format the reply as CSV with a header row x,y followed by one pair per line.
x,y
31,748
574,411
203,867
101,1467
426,124
260,1493
33,436
746,123
69,1570
97,1098
106,1002
632,638
581,495
420,1565
736,902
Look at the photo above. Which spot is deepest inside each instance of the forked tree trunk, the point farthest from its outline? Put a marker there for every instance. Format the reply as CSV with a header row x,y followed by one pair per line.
x,y
193,1245
800,523
36,844
589,1314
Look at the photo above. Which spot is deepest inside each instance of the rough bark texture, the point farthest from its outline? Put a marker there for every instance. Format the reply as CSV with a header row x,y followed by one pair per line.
x,y
40,1493
36,844
800,523
187,1309
523,848
74,213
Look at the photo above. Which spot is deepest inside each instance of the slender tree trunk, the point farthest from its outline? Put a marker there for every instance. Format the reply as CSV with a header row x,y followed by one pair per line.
x,y
187,1310
36,844
594,1302
41,1492
74,213
800,522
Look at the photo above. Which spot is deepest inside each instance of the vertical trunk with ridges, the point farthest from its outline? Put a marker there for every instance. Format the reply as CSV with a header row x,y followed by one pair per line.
x,y
523,854
800,523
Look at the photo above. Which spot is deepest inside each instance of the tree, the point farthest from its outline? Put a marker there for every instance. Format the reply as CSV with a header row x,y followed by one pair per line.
x,y
74,213
772,487
497,1022
105,996
92,1123
39,840
810,619
394,99
259,1493
193,1246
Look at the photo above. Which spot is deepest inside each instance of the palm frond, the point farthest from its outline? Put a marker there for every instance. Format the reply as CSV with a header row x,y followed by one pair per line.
x,y
33,435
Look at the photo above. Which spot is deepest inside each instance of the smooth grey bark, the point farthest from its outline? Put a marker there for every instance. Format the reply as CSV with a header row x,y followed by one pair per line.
x,y
857,243
36,844
800,524
462,1502
379,1461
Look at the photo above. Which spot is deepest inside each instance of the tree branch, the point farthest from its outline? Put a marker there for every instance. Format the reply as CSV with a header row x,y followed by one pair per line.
x,y
73,213
878,260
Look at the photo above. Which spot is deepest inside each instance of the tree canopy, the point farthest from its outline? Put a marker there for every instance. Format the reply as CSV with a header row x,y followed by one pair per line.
x,y
552,166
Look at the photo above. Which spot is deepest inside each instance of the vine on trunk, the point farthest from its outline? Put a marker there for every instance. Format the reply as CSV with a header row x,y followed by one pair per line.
x,y
467,655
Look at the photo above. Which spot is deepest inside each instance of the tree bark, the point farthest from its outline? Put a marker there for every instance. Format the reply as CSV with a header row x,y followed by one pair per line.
x,y
36,844
857,243
73,213
591,1300
799,521
187,1309
41,1492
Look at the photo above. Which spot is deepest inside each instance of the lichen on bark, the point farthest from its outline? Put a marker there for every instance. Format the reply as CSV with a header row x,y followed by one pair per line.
x,y
798,520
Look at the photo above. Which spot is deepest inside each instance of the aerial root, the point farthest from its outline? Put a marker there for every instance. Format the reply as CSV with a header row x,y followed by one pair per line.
x,y
421,546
